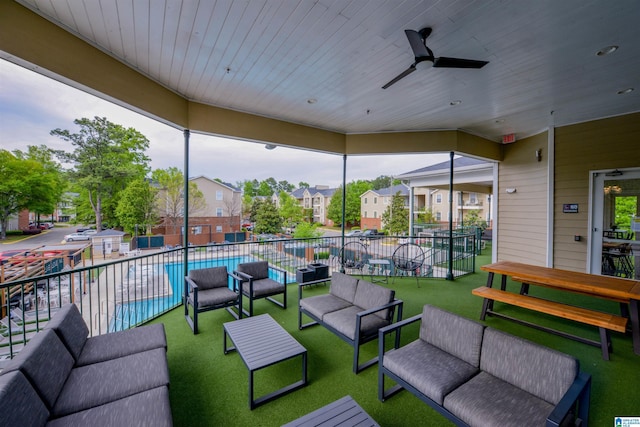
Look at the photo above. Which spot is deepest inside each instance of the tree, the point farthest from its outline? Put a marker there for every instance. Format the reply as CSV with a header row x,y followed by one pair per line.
x,y
384,181
267,218
171,196
138,206
303,184
23,183
264,189
290,210
306,230
352,207
44,156
473,218
106,157
396,217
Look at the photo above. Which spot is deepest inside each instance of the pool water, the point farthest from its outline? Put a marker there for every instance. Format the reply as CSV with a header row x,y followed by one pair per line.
x,y
127,315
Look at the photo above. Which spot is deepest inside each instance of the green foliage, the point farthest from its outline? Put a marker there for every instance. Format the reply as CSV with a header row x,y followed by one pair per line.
x,y
106,157
384,181
396,217
472,217
306,230
626,207
427,217
24,183
290,210
52,174
352,206
137,206
267,218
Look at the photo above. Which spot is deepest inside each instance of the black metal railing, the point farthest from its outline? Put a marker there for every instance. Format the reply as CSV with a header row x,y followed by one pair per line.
x,y
118,294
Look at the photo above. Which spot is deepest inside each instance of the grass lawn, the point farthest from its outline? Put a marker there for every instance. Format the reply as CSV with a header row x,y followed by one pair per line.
x,y
209,388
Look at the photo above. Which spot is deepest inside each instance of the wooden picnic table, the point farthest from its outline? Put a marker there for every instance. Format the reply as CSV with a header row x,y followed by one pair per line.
x,y
606,287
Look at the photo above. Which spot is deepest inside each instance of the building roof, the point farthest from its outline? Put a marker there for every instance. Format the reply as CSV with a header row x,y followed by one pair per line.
x,y
459,162
393,190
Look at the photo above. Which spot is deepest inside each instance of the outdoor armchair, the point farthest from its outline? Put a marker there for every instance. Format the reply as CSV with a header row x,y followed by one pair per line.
x,y
208,289
255,283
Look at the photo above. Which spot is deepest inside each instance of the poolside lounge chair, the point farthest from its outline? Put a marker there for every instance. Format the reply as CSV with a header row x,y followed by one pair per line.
x,y
208,289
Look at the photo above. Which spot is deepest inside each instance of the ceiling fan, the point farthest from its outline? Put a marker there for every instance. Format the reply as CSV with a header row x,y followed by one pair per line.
x,y
417,40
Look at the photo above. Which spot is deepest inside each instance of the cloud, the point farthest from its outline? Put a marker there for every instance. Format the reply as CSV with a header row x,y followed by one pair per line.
x,y
31,105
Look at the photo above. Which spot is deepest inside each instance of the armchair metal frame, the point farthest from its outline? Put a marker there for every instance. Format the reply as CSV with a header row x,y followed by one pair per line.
x,y
190,285
244,278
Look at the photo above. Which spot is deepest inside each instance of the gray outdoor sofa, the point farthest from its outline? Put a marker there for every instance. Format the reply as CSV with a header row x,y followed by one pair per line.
x,y
479,376
64,378
354,310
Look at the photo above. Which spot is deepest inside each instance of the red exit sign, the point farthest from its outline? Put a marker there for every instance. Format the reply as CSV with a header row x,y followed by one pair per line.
x,y
508,139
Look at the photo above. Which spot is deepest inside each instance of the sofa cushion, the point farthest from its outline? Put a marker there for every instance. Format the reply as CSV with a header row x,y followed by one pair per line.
x,y
208,278
430,370
148,408
369,296
320,305
46,363
20,405
539,370
71,329
104,382
343,286
344,321
488,401
456,335
122,343
257,270
263,287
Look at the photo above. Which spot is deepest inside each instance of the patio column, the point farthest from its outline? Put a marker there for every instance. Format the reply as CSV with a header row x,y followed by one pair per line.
x,y
450,269
411,211
344,204
185,233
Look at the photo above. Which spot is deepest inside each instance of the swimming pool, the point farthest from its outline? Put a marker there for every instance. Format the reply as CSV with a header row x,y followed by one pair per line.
x,y
127,315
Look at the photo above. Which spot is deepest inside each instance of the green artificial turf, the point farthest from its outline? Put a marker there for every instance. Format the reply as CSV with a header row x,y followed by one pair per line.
x,y
209,388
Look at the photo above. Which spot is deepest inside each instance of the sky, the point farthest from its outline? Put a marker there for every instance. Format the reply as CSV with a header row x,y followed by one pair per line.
x,y
31,105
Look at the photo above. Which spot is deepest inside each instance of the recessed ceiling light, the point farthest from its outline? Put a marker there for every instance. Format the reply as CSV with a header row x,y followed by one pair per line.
x,y
456,102
607,50
627,90
311,101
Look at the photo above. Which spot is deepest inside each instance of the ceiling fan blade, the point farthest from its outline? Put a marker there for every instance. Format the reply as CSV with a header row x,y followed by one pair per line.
x,y
400,76
444,62
417,44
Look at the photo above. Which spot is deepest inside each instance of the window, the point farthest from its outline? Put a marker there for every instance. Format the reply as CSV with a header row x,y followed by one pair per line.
x,y
219,195
438,216
375,214
218,211
365,200
473,199
438,198
218,229
365,214
375,200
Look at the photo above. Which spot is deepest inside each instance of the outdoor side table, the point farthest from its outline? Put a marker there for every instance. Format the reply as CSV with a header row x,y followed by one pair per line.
x,y
344,412
262,342
384,268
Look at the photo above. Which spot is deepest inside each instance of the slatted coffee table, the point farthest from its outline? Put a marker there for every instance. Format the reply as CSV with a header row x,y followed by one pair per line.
x,y
261,342
344,412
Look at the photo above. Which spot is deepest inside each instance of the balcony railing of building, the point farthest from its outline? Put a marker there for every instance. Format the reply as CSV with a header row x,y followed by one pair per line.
x,y
118,294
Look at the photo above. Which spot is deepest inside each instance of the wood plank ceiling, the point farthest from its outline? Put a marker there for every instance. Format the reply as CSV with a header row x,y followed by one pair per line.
x,y
323,63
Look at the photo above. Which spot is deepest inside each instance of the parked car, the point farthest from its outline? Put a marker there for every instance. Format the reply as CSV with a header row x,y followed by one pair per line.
x,y
371,234
90,232
353,233
77,236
